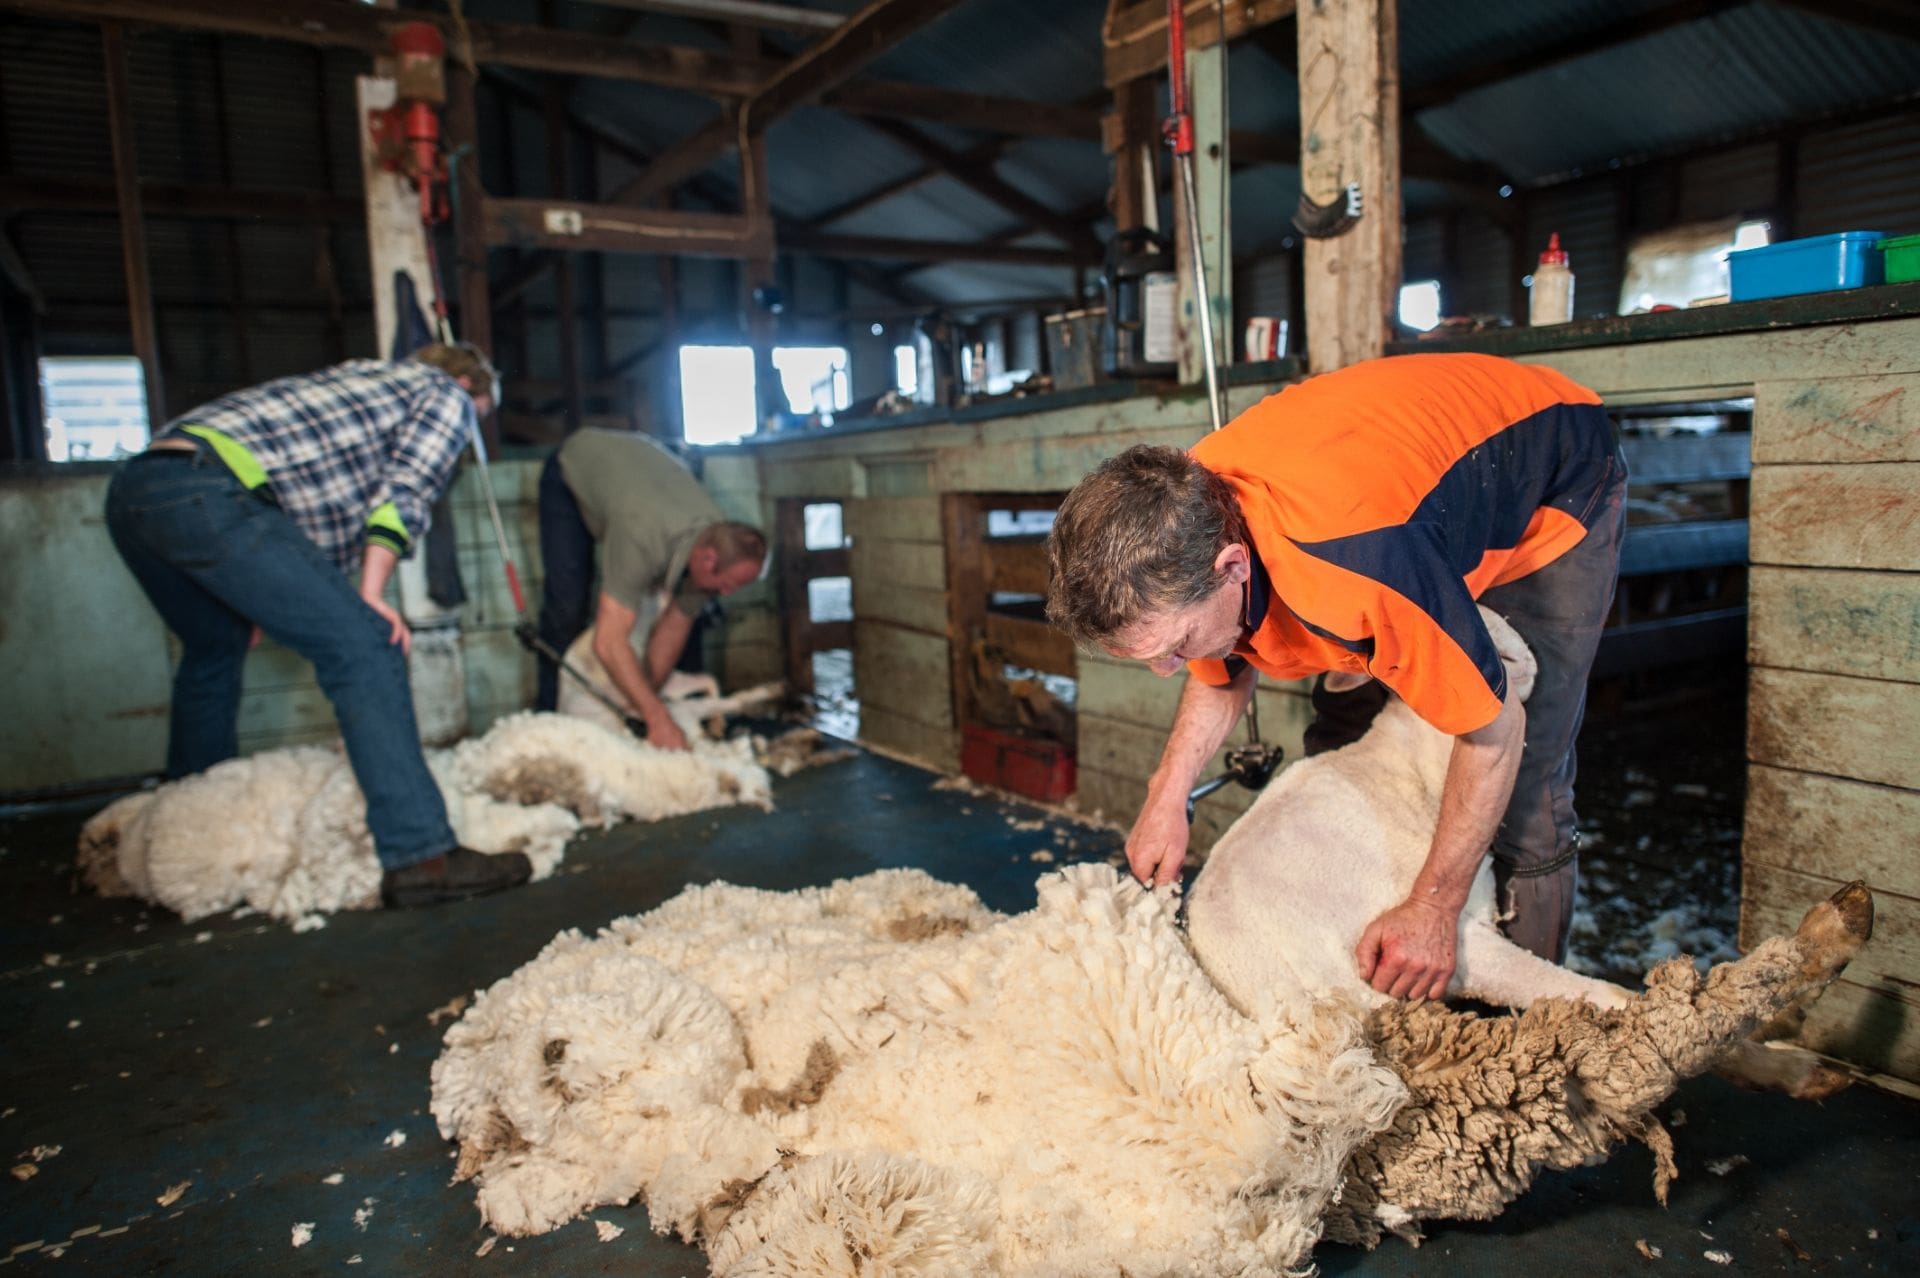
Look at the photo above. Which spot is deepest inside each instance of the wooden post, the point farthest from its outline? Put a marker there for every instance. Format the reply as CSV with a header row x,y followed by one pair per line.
x,y
757,272
133,227
470,222
566,296
667,396
1350,132
1207,71
1130,138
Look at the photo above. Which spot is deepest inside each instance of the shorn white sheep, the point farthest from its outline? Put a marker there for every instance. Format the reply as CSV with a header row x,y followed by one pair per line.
x,y
881,1076
692,699
1336,840
284,831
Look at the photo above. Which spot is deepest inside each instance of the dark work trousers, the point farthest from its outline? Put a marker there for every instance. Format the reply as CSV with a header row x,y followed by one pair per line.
x,y
566,589
1560,611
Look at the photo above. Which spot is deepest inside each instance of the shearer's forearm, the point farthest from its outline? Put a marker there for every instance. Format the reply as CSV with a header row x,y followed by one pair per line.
x,y
1478,787
1201,723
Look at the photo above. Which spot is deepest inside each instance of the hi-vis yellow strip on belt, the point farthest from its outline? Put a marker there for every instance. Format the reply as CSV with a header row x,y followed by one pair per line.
x,y
249,472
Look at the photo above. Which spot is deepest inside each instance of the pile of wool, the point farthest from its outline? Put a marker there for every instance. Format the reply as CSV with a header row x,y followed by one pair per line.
x,y
883,1073
285,831
882,1076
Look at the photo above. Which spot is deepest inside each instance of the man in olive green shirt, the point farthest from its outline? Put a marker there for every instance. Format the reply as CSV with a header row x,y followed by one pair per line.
x,y
658,533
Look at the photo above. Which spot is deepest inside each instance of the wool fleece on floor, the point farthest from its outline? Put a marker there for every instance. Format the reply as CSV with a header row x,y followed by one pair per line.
x,y
884,1076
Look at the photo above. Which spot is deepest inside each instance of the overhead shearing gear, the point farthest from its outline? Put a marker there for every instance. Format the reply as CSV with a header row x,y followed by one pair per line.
x,y
1254,763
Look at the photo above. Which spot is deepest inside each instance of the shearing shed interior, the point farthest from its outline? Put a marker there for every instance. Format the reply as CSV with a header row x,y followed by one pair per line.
x,y
782,336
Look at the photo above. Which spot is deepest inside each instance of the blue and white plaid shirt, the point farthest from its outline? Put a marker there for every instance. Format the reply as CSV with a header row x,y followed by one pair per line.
x,y
339,444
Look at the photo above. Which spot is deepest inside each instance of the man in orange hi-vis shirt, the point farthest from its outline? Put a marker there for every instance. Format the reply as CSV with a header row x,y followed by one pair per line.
x,y
1345,528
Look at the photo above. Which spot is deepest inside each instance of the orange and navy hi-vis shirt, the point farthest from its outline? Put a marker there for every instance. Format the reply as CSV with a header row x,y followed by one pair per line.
x,y
1383,499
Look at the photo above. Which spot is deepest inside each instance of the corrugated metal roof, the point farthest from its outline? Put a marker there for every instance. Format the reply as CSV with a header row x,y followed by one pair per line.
x,y
290,124
1749,68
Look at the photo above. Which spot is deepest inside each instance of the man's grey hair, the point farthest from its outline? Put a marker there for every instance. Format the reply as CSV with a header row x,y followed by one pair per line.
x,y
1137,536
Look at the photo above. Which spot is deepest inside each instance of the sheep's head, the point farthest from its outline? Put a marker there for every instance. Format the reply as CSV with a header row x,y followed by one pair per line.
x,y
1514,653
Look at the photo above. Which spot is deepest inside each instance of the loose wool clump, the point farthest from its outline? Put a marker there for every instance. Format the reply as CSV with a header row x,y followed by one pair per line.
x,y
285,831
808,1082
883,1076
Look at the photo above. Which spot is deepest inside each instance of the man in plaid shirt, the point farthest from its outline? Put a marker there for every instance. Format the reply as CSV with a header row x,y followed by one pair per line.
x,y
252,512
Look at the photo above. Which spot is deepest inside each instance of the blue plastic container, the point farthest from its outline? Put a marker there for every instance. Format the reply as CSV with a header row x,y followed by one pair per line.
x,y
1813,265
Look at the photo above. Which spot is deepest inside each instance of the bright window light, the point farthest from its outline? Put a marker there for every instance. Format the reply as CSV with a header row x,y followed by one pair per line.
x,y
1752,235
814,378
717,395
1685,265
906,371
1420,305
96,407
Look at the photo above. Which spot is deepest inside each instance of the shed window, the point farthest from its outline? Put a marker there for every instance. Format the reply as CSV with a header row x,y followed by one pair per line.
x,y
1420,305
96,407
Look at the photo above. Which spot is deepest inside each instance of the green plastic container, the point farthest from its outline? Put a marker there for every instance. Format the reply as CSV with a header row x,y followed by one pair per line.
x,y
1903,258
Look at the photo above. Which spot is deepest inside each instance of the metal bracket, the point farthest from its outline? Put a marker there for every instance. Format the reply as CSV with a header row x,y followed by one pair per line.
x,y
1325,221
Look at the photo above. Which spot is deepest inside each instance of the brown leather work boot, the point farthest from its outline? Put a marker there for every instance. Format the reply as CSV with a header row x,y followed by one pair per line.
x,y
459,874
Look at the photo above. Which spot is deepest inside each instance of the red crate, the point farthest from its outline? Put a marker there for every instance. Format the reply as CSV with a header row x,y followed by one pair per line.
x,y
1037,767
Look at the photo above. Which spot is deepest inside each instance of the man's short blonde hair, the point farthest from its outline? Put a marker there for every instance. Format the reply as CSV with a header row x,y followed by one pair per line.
x,y
1136,537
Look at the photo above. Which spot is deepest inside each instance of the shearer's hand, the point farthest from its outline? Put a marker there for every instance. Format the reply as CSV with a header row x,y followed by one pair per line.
x,y
398,634
662,731
1408,952
1157,844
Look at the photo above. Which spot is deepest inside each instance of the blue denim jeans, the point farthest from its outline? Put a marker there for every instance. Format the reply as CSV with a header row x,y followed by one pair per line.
x,y
216,559
566,585
1560,611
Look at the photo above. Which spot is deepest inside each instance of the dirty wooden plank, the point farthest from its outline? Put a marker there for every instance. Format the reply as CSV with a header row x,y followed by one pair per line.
x,y
1864,516
1133,694
500,676
894,519
1837,621
1130,750
1838,419
1867,729
743,665
907,477
902,671
915,607
730,470
1117,798
885,564
1712,367
1873,1026
1045,464
937,747
1838,829
1033,644
1017,566
826,478
1773,901
963,534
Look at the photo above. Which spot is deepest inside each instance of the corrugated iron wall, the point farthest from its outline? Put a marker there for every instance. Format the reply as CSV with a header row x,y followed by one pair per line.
x,y
1857,176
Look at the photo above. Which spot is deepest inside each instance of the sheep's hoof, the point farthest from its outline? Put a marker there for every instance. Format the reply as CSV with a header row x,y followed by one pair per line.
x,y
1834,930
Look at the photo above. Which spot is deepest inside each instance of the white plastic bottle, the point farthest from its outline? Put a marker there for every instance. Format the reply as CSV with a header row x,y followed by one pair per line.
x,y
1551,299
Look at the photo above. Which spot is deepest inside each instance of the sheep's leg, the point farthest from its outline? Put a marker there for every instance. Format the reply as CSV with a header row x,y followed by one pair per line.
x,y
1688,1022
1495,970
1492,1102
